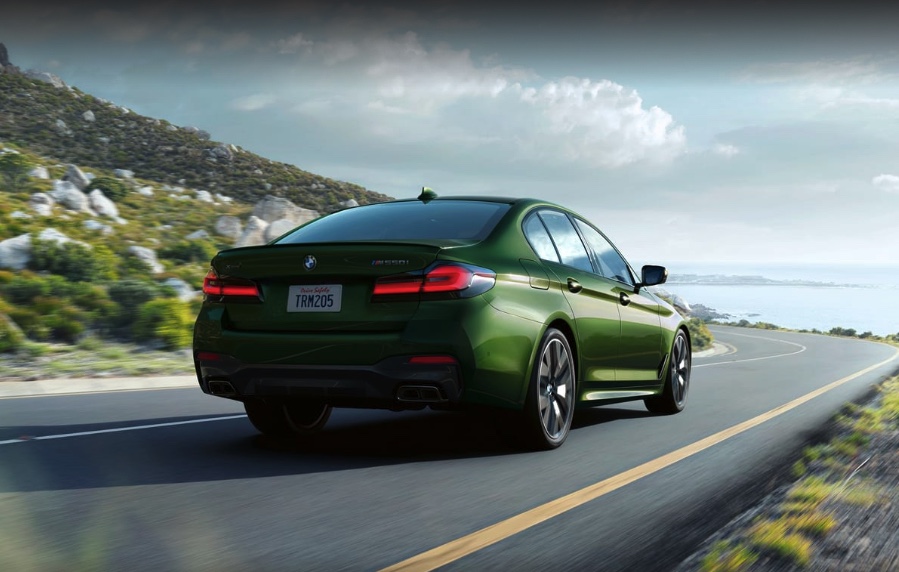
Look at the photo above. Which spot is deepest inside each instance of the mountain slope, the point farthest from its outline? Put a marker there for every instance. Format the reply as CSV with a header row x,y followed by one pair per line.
x,y
65,124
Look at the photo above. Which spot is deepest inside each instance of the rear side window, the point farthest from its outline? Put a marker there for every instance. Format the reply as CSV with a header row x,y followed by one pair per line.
x,y
567,241
539,239
412,220
611,264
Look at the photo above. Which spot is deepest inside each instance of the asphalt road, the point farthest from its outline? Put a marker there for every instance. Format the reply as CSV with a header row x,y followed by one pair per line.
x,y
171,479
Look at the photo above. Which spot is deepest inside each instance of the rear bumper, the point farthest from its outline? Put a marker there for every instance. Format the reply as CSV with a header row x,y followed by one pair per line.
x,y
393,383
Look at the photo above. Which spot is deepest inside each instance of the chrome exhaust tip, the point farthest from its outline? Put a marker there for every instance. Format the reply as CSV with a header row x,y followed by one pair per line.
x,y
221,388
420,394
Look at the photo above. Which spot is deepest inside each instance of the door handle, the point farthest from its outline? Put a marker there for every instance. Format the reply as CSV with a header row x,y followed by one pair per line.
x,y
574,286
625,300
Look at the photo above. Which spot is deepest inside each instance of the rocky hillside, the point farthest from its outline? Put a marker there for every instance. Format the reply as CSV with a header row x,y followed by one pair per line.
x,y
39,111
108,219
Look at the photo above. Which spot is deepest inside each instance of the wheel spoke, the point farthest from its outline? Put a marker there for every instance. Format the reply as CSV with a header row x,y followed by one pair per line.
x,y
555,389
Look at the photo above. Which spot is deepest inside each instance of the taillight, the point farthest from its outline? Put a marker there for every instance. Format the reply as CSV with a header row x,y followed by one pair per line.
x,y
433,360
452,279
215,286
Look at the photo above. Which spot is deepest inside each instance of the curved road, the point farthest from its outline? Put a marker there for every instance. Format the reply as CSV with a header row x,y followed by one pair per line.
x,y
176,480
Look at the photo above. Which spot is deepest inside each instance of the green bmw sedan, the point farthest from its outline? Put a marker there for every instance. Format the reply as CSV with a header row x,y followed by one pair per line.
x,y
518,307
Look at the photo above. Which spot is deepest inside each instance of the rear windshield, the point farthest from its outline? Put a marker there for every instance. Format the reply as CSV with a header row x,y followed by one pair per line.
x,y
412,220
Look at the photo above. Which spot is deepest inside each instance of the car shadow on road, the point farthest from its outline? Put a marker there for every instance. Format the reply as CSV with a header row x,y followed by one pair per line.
x,y
232,449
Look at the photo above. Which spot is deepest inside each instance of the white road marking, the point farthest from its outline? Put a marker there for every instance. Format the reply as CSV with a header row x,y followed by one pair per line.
x,y
801,349
118,429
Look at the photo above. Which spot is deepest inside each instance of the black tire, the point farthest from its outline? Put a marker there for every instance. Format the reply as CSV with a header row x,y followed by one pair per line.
x,y
287,419
673,398
549,406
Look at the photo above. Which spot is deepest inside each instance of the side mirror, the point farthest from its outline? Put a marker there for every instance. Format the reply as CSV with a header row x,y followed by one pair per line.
x,y
653,275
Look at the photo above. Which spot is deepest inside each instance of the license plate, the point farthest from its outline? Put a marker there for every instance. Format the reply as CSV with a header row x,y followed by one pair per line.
x,y
314,298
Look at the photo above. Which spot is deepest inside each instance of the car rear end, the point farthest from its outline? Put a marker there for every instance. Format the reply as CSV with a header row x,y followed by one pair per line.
x,y
368,309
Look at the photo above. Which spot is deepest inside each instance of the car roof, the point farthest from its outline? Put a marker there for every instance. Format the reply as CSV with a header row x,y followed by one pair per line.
x,y
485,199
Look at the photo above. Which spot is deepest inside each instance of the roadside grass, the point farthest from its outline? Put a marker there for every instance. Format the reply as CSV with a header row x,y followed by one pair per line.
x,y
827,478
92,358
728,557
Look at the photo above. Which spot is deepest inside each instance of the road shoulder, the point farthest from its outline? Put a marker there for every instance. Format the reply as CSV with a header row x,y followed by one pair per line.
x,y
37,388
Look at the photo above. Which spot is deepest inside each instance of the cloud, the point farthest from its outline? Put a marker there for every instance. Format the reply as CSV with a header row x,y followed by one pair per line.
x,y
293,44
725,150
864,69
411,92
253,102
603,123
888,183
832,83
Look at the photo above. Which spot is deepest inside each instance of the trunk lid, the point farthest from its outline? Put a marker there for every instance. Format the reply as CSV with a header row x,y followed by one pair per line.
x,y
321,287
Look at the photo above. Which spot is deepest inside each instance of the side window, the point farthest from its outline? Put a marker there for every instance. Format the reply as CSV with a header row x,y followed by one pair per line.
x,y
571,248
611,264
539,239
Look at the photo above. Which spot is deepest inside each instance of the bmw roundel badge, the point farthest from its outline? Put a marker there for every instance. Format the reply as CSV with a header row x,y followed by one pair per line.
x,y
309,262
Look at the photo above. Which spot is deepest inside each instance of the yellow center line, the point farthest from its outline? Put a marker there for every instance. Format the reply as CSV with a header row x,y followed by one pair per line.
x,y
471,543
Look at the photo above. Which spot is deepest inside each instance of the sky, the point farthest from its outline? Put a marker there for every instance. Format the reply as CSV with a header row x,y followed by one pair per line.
x,y
686,131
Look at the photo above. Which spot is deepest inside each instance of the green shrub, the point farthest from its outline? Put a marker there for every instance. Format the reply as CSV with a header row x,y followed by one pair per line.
x,y
132,293
76,262
62,321
848,332
11,335
167,320
699,334
25,288
187,251
14,170
127,296
112,189
30,322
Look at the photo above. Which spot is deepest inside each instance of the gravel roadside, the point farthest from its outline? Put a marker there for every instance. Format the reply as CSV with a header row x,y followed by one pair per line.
x,y
841,514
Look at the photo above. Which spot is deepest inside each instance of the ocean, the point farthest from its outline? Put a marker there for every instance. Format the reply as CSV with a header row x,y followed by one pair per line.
x,y
863,297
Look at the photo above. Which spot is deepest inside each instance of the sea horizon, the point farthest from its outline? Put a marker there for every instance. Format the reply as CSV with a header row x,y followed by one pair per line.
x,y
865,300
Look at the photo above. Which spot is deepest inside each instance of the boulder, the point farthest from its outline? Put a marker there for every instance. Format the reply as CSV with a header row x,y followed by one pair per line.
x,y
228,226
104,206
98,226
204,196
77,177
53,235
123,173
277,228
15,253
146,191
45,77
69,196
273,208
148,257
183,290
350,203
221,152
197,235
39,173
88,116
19,215
41,203
254,232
